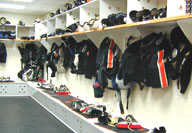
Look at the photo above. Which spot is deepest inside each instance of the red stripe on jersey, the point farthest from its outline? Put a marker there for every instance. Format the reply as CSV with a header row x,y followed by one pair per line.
x,y
110,55
161,68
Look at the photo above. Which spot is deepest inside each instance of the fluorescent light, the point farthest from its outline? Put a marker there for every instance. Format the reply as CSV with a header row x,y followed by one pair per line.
x,y
11,6
23,0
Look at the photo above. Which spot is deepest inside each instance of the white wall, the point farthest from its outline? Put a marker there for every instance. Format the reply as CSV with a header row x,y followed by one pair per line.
x,y
13,64
14,18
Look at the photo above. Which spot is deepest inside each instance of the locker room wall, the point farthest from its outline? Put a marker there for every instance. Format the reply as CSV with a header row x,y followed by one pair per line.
x,y
152,107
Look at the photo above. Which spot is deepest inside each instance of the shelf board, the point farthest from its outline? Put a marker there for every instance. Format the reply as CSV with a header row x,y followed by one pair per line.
x,y
51,19
26,26
9,25
162,22
44,21
21,40
18,40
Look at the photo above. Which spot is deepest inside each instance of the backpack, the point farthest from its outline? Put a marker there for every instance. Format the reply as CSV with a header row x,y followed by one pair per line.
x,y
155,50
143,62
41,53
131,68
28,52
130,71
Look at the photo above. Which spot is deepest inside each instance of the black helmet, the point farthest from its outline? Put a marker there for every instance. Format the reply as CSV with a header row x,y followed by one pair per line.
x,y
3,20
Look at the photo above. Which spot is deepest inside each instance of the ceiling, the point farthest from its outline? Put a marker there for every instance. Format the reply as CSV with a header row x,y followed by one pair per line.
x,y
37,7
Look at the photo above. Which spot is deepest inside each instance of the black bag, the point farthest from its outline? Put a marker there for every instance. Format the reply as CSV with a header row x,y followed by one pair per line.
x,y
41,53
73,27
131,68
3,53
44,36
59,31
114,19
25,38
154,55
27,53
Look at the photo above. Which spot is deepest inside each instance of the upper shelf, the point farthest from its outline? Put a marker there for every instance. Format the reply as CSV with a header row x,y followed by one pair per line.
x,y
162,22
19,40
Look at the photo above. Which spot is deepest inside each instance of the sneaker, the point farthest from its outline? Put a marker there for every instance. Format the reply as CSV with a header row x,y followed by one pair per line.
x,y
4,79
107,119
129,123
63,90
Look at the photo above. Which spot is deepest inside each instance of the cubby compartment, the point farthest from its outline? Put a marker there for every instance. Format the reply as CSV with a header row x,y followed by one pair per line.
x,y
176,8
61,21
90,11
108,7
6,29
51,25
139,5
173,8
72,16
40,28
11,28
25,31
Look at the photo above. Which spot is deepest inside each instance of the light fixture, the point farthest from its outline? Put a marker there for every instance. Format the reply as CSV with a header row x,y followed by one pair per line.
x,y
11,6
23,0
